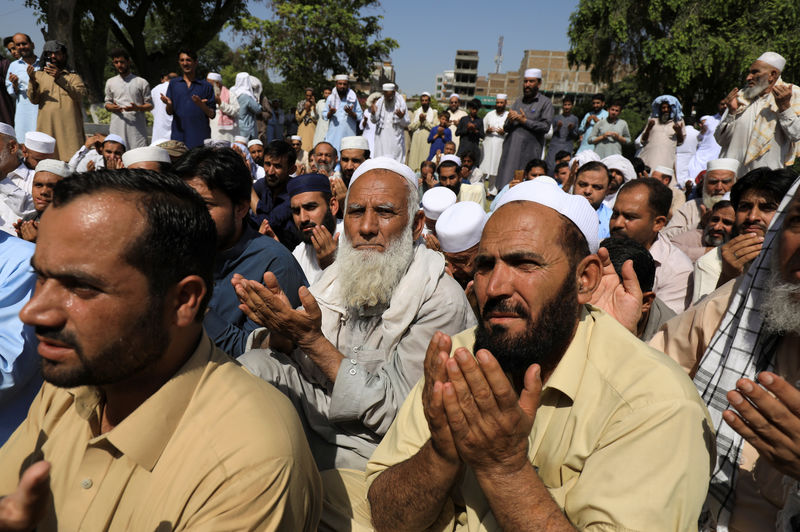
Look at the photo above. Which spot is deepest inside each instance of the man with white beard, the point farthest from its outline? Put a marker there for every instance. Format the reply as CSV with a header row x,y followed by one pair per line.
x,y
390,116
348,357
750,328
761,126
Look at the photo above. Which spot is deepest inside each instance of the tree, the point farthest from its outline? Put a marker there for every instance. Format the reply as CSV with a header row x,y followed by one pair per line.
x,y
308,40
696,49
151,31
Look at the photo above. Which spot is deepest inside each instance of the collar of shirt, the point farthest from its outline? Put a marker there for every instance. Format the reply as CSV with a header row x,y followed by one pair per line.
x,y
144,434
234,252
660,249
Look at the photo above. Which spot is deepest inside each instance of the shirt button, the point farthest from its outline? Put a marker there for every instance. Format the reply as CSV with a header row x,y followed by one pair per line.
x,y
353,371
353,361
86,483
356,349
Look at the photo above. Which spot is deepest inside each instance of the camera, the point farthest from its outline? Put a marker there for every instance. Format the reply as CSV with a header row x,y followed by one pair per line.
x,y
45,59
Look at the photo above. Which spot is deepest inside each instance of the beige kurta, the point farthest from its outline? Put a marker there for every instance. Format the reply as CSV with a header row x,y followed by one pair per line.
x,y
420,129
684,218
454,119
60,102
306,125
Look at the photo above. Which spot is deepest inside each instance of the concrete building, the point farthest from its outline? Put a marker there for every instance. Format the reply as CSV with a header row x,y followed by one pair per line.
x,y
466,73
444,85
381,72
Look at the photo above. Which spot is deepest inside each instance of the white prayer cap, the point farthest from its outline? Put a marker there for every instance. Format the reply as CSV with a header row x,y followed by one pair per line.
x,y
115,138
665,170
388,87
773,59
436,200
621,164
156,142
732,165
40,142
385,163
453,158
584,157
502,96
341,77
460,226
240,139
547,180
576,208
147,154
454,95
533,73
6,129
54,166
354,143
296,137
213,76
255,142
425,93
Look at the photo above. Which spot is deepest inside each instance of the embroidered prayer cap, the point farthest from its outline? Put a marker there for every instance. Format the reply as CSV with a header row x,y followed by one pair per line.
x,y
7,130
213,76
40,142
385,163
460,226
341,77
388,87
354,143
175,148
533,73
732,165
255,142
308,183
115,138
621,164
452,158
502,96
240,139
773,59
666,170
436,200
54,166
146,154
576,208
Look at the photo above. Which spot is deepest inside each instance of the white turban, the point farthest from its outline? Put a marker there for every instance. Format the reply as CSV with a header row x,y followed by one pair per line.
x,y
731,165
425,93
621,164
449,157
385,163
584,157
388,87
7,130
354,143
40,142
773,59
341,77
213,76
533,73
54,166
460,226
147,154
436,200
255,142
501,96
666,170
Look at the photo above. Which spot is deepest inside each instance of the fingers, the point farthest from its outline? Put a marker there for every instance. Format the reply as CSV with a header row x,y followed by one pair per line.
x,y
785,392
477,390
605,258
309,303
529,397
271,282
629,280
768,416
435,357
502,392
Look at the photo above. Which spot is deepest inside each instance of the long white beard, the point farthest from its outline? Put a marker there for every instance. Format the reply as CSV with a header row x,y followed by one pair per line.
x,y
751,93
781,305
368,278
709,200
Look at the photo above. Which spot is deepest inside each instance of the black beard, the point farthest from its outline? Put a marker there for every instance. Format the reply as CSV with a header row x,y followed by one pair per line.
x,y
328,222
545,340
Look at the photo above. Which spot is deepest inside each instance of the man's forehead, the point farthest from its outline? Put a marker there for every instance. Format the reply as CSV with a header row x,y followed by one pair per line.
x,y
380,181
519,222
353,153
720,174
306,197
104,216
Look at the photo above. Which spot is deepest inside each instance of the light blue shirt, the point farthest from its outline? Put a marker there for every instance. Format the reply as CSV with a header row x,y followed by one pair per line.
x,y
604,217
341,124
20,378
25,116
586,130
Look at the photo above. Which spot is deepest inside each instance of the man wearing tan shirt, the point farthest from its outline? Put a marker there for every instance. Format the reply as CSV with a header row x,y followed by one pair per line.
x,y
593,430
142,424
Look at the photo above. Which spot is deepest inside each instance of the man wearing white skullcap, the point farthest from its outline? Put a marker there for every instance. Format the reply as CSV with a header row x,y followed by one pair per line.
x,y
666,175
147,158
224,125
528,120
434,202
456,114
720,177
37,147
390,116
493,124
379,302
449,171
423,119
621,171
128,98
355,150
48,173
99,152
458,230
16,201
761,125
342,111
528,387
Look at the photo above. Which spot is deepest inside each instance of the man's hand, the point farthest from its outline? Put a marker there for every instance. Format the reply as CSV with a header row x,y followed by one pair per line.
x,y
52,70
331,112
783,96
114,108
339,190
770,423
651,123
431,242
325,245
489,423
621,299
131,108
558,125
435,374
90,166
94,141
430,180
400,113
14,79
31,75
166,100
732,101
349,110
738,252
676,127
570,126
114,163
23,509
28,230
265,229
198,101
268,306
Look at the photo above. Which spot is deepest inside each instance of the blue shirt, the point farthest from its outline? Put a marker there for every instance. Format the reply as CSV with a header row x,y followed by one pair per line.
x,y
604,215
438,143
250,257
20,378
586,128
190,124
275,207
26,113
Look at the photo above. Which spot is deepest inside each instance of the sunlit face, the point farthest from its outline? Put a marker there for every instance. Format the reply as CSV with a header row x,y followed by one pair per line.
x,y
187,64
535,172
718,182
42,190
597,105
32,158
23,45
12,49
613,112
351,160
454,102
112,150
449,148
425,101
566,107
530,86
257,153
789,244
377,210
633,218
309,210
592,185
754,213
448,177
324,153
276,170
121,65
342,85
760,73
719,227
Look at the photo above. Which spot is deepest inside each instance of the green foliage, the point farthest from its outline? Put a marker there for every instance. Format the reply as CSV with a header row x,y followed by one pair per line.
x,y
695,49
307,41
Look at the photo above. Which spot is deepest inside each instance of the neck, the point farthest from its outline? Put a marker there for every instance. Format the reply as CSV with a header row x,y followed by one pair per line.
x,y
30,59
653,241
189,76
122,398
530,97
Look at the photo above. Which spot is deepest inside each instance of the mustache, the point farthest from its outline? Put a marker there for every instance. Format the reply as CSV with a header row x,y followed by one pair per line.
x,y
307,225
58,335
503,305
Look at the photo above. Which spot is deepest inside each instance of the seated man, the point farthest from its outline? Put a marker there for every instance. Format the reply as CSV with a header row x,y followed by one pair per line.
x,y
270,200
221,178
714,230
99,152
355,150
640,212
37,147
459,231
348,359
740,344
147,158
142,423
15,202
592,182
434,202
314,211
48,173
666,175
533,169
561,418
449,169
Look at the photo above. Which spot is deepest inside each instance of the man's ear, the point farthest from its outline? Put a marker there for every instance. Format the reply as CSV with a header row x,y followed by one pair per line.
x,y
647,301
333,205
588,275
185,298
659,222
240,209
418,224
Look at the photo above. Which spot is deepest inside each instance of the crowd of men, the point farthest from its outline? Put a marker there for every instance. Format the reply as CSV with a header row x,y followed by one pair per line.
x,y
203,326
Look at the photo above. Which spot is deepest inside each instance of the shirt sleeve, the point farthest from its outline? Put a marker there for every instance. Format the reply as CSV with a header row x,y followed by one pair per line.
x,y
540,124
625,133
109,92
789,121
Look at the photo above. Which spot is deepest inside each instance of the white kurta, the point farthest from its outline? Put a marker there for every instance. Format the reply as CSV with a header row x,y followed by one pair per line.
x,y
419,139
322,124
683,154
389,128
162,122
130,125
455,118
493,142
14,204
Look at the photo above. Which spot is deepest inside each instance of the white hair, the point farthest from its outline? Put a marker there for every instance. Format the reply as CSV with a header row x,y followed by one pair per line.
x,y
781,305
753,92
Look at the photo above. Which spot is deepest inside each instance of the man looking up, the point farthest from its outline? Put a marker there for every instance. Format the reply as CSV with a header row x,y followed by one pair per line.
x,y
190,102
610,133
390,116
528,120
761,125
591,118
640,213
221,178
124,264
271,212
17,86
592,182
342,111
505,418
128,98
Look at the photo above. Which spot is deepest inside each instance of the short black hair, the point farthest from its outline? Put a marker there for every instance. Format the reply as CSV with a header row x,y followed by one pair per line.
x,y
219,168
27,37
560,154
444,113
575,244
428,163
472,155
448,164
188,51
622,248
559,166
179,238
119,52
281,148
535,163
594,166
599,96
474,104
771,184
568,98
639,166
721,204
618,103
659,195
7,41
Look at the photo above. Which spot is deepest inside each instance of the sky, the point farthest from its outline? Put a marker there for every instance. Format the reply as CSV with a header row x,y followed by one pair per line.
x,y
428,38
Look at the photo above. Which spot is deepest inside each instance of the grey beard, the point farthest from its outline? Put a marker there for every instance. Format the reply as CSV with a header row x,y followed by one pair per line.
x,y
325,169
781,305
751,93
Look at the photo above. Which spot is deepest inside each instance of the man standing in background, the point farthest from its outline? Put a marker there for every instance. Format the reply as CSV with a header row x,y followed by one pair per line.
x,y
565,133
493,124
17,86
127,97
